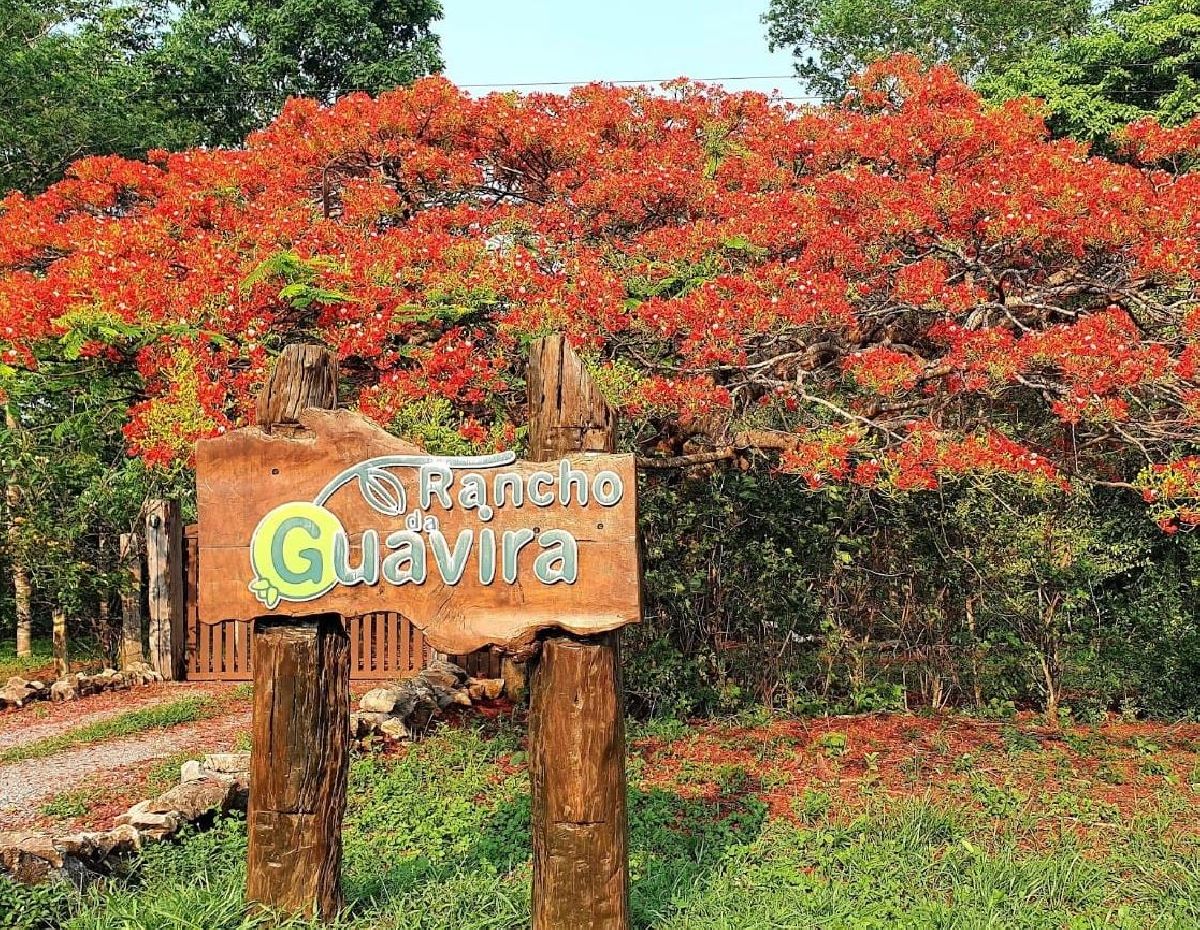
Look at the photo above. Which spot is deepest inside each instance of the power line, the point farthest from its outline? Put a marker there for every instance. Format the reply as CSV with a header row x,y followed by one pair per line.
x,y
659,80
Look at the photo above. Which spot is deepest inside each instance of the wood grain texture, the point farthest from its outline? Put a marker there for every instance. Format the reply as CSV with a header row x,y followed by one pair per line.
x,y
305,376
299,765
567,412
577,714
164,579
577,768
299,761
245,474
130,560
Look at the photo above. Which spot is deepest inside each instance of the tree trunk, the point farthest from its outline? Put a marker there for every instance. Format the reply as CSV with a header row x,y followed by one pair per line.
x,y
301,725
24,599
1050,682
577,707
22,589
976,684
107,633
62,662
1048,655
130,652
164,575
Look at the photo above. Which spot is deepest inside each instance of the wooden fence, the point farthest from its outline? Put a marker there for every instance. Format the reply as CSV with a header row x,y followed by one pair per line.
x,y
382,645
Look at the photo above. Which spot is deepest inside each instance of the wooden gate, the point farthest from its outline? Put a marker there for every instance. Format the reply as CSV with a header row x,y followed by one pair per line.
x,y
382,645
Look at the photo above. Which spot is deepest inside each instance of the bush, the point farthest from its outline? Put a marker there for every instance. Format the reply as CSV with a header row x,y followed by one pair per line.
x,y
760,590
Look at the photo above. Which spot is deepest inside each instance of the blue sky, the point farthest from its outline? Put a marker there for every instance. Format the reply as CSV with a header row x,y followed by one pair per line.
x,y
512,42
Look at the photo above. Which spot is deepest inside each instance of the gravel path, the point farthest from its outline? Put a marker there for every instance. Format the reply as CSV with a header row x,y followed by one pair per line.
x,y
23,784
38,721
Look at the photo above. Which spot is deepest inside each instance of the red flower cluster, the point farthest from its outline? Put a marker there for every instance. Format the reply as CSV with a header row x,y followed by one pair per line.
x,y
902,281
1173,491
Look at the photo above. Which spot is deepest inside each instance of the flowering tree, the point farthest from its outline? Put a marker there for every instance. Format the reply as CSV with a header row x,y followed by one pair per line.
x,y
898,291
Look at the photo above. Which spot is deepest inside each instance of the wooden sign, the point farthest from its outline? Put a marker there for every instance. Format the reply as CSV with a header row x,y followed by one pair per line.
x,y
344,518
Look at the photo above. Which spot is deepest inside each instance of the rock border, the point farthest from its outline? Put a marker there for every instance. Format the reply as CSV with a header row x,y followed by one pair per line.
x,y
18,691
220,782
403,711
217,784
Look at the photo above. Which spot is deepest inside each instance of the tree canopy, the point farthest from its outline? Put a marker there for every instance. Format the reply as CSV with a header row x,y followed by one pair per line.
x,y
907,289
833,40
111,76
1097,67
1133,63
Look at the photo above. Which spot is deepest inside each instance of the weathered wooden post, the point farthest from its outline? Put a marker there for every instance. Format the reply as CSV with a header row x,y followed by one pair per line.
x,y
130,558
164,575
301,721
577,713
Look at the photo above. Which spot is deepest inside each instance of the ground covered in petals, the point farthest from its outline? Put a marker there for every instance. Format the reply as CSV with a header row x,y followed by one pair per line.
x,y
853,822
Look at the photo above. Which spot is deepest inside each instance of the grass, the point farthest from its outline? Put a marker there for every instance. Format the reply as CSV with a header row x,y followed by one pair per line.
x,y
184,710
82,653
438,838
67,805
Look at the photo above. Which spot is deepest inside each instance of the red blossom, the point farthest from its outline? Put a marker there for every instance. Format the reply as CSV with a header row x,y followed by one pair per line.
x,y
912,284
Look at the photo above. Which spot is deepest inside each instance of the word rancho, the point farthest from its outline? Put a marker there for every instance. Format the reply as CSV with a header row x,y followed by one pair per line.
x,y
300,550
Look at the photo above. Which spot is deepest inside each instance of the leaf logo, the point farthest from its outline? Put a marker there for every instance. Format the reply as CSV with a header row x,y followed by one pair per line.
x,y
383,491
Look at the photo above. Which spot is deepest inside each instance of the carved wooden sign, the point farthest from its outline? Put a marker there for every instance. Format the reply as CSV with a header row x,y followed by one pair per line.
x,y
476,550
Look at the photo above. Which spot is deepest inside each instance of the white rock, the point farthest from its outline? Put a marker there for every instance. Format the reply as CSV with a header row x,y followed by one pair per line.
x,y
227,763
141,818
394,728
191,771
379,701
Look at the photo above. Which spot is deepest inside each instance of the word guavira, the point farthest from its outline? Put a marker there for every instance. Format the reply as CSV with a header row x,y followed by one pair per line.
x,y
300,550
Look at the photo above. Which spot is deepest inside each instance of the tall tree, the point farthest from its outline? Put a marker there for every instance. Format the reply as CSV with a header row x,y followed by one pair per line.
x,y
910,288
22,589
86,77
1137,61
834,39
240,59
75,82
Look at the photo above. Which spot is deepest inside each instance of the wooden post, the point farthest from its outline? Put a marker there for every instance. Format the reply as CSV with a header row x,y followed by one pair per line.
x,y
22,588
577,721
300,732
130,650
164,573
62,661
109,638
516,678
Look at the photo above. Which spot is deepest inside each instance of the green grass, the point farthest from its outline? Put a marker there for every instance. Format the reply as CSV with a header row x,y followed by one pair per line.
x,y
439,840
81,652
185,710
68,804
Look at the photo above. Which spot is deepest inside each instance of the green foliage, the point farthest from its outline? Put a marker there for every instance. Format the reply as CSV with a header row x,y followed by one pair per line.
x,y
68,804
1098,67
246,56
82,652
297,277
117,77
1137,61
77,82
72,489
834,39
758,590
160,716
34,907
